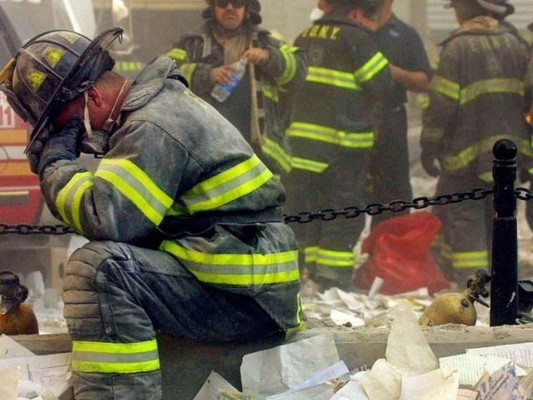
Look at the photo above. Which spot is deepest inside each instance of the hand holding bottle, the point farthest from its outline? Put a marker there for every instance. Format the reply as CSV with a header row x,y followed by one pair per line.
x,y
221,91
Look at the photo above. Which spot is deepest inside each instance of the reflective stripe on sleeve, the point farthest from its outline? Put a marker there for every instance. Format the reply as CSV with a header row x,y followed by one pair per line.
x,y
225,187
371,68
137,186
446,87
177,54
69,199
290,64
471,153
277,152
121,358
309,165
188,70
237,269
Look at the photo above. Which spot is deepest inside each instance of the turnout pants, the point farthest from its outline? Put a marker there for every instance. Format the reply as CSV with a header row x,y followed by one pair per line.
x,y
464,243
118,296
327,247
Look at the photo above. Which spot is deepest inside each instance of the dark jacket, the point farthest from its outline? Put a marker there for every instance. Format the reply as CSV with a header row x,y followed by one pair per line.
x,y
276,81
347,83
185,171
477,98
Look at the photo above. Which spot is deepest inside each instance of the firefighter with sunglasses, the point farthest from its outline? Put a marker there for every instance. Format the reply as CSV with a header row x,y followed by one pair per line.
x,y
259,104
184,222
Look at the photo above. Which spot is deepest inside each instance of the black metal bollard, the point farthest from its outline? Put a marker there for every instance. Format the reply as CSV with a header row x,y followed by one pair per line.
x,y
504,283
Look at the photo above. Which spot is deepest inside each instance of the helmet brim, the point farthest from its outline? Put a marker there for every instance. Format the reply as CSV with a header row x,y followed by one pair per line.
x,y
100,43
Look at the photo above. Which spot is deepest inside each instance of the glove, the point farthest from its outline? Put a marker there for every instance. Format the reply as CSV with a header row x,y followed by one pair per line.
x,y
35,149
430,163
62,145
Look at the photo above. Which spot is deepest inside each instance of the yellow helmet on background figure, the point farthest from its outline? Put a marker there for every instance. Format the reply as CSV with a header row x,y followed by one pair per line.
x,y
52,69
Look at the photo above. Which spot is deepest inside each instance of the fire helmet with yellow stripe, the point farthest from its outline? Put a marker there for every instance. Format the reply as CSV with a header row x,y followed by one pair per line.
x,y
52,69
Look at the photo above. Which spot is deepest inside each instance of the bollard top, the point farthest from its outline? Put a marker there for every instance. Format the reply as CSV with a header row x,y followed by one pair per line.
x,y
504,149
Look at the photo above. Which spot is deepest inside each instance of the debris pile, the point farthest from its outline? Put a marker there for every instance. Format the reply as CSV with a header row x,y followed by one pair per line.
x,y
311,369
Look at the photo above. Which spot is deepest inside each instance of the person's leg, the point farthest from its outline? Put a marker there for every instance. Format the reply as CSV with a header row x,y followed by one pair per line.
x,y
118,296
465,229
343,185
390,173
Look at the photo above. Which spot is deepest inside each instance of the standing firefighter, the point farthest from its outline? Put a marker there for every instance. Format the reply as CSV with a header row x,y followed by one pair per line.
x,y
476,98
184,222
259,104
332,132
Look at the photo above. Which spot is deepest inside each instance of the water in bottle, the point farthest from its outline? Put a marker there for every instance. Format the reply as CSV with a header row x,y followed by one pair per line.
x,y
221,91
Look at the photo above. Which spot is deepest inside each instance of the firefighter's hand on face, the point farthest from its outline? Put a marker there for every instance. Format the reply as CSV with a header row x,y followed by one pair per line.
x,y
59,145
221,74
430,163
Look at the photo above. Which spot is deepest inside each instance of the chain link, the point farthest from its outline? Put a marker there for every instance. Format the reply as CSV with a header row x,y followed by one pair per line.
x,y
395,206
329,214
27,229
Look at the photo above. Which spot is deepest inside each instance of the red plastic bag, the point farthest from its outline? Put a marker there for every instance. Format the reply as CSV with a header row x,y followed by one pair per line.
x,y
400,255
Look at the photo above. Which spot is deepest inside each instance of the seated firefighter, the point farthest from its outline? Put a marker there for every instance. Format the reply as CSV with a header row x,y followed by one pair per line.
x,y
184,221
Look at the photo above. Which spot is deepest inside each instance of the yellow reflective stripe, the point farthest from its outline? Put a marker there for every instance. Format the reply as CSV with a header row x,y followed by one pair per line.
x,y
277,152
177,54
300,326
226,187
290,64
469,154
371,68
332,258
310,254
446,87
308,165
488,86
270,92
237,269
128,66
331,77
472,259
362,140
122,358
69,199
137,186
188,70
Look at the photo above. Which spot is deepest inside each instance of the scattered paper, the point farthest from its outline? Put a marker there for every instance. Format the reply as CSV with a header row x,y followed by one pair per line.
x,y
275,371
9,382
407,346
521,354
501,385
441,384
11,349
217,388
318,392
50,371
471,367
334,371
383,382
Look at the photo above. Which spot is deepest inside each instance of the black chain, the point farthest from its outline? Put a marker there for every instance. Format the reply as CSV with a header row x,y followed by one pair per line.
x,y
396,206
27,229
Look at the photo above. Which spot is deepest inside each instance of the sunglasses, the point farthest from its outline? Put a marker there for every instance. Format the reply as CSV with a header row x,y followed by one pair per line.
x,y
235,3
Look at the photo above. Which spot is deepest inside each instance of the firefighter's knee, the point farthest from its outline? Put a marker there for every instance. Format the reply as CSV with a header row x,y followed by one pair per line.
x,y
82,288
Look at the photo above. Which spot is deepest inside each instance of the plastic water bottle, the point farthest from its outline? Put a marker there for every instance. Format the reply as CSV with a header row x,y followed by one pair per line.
x,y
222,91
